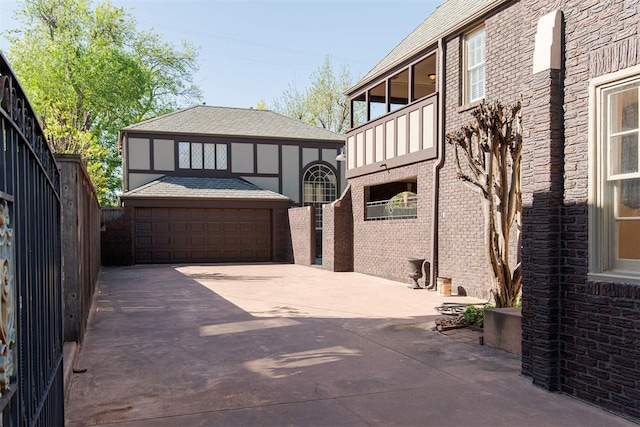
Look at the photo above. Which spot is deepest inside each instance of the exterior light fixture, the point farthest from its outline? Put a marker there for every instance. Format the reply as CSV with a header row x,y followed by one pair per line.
x,y
342,156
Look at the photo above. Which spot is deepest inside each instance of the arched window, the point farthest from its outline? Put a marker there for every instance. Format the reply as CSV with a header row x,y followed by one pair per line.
x,y
319,186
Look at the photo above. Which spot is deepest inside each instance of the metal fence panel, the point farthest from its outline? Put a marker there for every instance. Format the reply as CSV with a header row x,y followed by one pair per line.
x,y
31,342
396,208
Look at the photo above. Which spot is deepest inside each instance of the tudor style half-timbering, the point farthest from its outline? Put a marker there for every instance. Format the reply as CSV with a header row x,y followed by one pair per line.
x,y
575,65
213,183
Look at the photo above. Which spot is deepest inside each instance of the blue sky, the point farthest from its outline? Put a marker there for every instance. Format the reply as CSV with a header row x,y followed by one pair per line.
x,y
251,50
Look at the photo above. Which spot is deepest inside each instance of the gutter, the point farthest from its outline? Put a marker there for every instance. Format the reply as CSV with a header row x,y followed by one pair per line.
x,y
438,164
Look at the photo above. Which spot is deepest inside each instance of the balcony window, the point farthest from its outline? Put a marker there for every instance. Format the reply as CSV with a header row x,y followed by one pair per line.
x,y
358,110
424,78
399,90
378,101
411,83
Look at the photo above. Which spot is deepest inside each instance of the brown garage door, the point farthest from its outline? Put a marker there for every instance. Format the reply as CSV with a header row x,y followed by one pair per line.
x,y
166,235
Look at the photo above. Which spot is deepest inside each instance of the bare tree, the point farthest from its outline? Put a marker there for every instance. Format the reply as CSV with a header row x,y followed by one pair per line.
x,y
488,154
323,103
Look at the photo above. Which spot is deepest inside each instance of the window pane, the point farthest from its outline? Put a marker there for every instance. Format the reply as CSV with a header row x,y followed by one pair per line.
x,y
623,154
424,77
221,156
628,199
209,156
475,48
624,110
378,101
476,83
184,155
399,90
629,239
196,156
359,110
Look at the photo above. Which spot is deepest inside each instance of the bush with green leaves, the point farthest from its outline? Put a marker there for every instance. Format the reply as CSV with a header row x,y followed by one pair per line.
x,y
474,315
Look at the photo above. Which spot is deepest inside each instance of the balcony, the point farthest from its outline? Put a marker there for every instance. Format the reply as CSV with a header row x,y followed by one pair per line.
x,y
402,137
395,208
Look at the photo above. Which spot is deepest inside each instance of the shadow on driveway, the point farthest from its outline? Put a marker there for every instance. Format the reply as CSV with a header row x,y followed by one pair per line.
x,y
272,344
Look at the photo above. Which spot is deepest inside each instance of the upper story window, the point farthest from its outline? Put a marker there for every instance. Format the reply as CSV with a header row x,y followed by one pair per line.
x,y
409,84
198,155
474,57
615,231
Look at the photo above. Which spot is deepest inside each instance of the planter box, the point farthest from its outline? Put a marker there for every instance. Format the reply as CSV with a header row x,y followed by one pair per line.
x,y
503,329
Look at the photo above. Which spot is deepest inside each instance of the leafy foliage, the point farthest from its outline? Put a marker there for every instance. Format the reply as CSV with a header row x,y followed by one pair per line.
x,y
488,155
474,315
90,72
323,103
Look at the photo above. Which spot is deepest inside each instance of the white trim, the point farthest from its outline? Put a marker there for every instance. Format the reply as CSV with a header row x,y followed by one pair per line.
x,y
600,264
466,84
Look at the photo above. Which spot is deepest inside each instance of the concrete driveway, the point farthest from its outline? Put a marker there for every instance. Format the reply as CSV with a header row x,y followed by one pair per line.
x,y
277,345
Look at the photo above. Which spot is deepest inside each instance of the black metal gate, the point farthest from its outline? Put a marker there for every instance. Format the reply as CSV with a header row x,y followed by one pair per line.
x,y
31,310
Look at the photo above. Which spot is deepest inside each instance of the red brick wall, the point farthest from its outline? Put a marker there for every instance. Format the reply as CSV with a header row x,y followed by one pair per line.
x,y
381,248
337,234
302,235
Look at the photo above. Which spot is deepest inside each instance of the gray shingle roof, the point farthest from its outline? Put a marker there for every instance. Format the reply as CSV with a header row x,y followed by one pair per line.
x,y
442,21
210,120
203,187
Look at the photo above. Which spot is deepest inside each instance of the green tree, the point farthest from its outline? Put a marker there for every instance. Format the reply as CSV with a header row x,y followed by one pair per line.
x,y
89,72
323,103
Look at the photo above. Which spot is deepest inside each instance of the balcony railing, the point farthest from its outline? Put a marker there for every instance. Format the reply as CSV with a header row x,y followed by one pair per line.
x,y
405,208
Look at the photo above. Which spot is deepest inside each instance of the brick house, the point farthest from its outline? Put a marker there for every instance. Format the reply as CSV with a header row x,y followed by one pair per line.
x,y
576,64
214,184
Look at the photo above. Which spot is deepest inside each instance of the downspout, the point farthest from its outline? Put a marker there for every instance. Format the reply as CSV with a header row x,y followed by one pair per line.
x,y
438,164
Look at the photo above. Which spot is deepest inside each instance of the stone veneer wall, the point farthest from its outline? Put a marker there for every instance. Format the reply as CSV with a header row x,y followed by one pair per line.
x,y
301,223
599,322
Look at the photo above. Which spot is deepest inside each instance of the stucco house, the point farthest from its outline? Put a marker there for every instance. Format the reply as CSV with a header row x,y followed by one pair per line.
x,y
213,184
576,65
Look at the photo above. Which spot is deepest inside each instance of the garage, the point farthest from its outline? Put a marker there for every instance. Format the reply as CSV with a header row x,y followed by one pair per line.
x,y
167,235
204,220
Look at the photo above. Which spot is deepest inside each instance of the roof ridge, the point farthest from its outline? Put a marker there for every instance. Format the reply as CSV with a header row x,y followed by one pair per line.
x,y
162,116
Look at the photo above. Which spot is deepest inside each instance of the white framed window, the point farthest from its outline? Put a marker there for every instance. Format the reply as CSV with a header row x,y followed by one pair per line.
x,y
474,70
184,155
196,155
319,187
614,223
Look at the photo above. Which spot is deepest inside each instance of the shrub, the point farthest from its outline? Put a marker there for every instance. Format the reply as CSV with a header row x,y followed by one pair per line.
x,y
474,316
